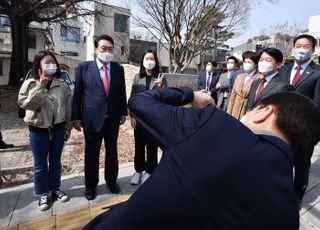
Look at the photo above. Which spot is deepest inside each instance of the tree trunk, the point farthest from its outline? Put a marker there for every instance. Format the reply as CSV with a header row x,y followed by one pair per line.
x,y
19,55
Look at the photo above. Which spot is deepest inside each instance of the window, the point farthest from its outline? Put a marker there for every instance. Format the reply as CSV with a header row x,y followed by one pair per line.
x,y
68,53
121,23
1,68
70,34
122,50
32,41
4,21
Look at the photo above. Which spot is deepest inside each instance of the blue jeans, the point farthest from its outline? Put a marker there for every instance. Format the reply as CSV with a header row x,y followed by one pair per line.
x,y
47,177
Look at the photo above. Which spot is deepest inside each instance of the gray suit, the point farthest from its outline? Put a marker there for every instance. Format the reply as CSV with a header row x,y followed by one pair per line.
x,y
223,92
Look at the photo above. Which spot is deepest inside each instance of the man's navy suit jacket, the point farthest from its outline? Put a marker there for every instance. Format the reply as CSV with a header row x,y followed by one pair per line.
x,y
275,85
308,83
202,82
91,104
203,181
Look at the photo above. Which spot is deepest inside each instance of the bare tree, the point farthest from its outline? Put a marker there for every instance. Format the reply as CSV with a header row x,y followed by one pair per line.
x,y
284,34
22,13
184,25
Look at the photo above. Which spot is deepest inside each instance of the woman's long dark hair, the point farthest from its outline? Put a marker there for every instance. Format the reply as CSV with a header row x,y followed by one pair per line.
x,y
155,70
36,64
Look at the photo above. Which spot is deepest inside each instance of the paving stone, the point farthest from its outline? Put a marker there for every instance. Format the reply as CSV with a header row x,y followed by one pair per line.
x,y
74,188
312,216
46,223
27,208
74,219
8,202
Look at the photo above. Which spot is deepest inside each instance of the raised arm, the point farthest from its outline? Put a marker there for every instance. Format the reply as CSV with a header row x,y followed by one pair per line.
x,y
158,112
31,95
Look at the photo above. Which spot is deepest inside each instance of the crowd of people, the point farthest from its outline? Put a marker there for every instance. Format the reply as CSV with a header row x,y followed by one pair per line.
x,y
202,181
261,75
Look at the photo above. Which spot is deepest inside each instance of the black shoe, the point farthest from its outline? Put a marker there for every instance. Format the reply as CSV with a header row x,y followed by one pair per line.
x,y
90,194
114,188
3,145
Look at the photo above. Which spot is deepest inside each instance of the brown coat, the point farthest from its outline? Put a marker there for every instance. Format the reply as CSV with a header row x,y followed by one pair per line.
x,y
239,95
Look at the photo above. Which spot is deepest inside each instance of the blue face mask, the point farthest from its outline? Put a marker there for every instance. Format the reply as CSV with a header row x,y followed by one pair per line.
x,y
301,54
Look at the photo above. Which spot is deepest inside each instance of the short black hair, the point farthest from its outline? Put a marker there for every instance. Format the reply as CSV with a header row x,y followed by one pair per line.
x,y
102,37
307,36
250,55
36,64
155,70
273,52
297,118
233,58
213,63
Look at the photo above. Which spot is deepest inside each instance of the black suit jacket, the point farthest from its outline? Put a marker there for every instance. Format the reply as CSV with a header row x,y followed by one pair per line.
x,y
90,102
199,183
202,81
275,85
308,83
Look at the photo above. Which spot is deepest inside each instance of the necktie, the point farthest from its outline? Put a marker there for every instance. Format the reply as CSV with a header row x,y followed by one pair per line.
x,y
208,82
296,76
105,79
260,88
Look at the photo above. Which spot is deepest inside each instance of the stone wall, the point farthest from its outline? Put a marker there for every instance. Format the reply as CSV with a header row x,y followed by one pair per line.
x,y
174,80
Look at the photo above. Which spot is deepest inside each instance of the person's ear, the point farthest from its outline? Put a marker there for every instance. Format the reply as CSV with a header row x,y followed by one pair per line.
x,y
262,114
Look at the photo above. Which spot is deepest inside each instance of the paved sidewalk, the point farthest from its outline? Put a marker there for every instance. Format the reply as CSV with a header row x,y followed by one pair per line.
x,y
18,205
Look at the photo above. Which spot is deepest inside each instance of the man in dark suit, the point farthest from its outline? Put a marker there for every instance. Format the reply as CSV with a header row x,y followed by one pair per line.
x,y
208,79
203,181
304,76
269,62
3,145
99,105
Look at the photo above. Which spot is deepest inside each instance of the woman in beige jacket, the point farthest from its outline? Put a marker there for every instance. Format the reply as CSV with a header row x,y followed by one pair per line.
x,y
47,101
239,95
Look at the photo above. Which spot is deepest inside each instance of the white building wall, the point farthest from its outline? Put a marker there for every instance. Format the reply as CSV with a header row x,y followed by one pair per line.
x,y
105,25
61,45
314,30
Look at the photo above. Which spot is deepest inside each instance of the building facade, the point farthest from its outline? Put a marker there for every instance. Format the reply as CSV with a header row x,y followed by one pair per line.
x,y
114,21
71,40
314,30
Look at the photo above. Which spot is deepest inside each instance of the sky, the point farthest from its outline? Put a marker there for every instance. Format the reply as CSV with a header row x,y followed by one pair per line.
x,y
265,15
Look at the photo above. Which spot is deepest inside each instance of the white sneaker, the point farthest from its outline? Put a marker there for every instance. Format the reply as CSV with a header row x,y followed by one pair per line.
x,y
43,203
145,177
60,196
136,178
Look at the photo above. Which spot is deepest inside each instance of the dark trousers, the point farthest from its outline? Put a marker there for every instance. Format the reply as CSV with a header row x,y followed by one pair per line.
x,y
143,143
302,167
93,142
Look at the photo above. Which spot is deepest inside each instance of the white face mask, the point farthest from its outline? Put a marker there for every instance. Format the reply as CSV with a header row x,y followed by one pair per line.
x,y
50,69
105,57
230,66
247,67
301,54
209,68
149,64
265,67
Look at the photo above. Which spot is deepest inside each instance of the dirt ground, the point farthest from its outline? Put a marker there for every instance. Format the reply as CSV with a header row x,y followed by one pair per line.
x,y
15,131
